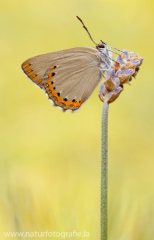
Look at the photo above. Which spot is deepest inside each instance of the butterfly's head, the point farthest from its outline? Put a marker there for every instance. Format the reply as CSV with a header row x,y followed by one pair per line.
x,y
101,45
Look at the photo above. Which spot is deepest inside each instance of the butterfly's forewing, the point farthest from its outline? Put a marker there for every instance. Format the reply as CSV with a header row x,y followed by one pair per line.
x,y
68,77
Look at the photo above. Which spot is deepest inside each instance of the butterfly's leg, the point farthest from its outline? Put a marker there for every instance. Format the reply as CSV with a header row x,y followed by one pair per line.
x,y
103,70
116,49
109,57
110,52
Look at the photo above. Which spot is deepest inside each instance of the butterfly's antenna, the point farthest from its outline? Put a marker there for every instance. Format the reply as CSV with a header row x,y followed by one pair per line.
x,y
86,29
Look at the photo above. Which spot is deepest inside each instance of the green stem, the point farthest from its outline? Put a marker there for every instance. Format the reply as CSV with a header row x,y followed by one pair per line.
x,y
104,172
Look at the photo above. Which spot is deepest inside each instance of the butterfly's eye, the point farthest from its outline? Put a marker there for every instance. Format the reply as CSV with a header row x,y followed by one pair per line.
x,y
101,45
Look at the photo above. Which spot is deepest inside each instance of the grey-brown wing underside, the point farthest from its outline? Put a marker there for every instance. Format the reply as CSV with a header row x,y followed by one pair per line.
x,y
68,77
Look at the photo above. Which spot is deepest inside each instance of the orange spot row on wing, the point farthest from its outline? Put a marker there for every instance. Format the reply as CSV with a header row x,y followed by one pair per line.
x,y
29,71
61,102
39,81
48,85
33,77
26,65
53,67
49,75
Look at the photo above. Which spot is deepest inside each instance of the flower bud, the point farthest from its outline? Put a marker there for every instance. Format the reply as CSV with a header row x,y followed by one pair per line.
x,y
109,82
125,66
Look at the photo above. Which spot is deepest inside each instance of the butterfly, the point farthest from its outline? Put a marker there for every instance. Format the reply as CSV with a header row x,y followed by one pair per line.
x,y
69,77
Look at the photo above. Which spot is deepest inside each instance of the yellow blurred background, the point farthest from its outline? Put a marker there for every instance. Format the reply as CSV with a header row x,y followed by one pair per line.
x,y
50,160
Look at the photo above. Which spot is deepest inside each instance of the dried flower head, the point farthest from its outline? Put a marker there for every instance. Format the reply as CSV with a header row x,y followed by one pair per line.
x,y
125,67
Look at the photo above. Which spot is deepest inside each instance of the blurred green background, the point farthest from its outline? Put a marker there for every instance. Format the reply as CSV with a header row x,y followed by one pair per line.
x,y
50,160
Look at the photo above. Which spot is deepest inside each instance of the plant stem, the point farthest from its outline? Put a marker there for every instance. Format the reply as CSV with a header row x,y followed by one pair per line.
x,y
104,172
